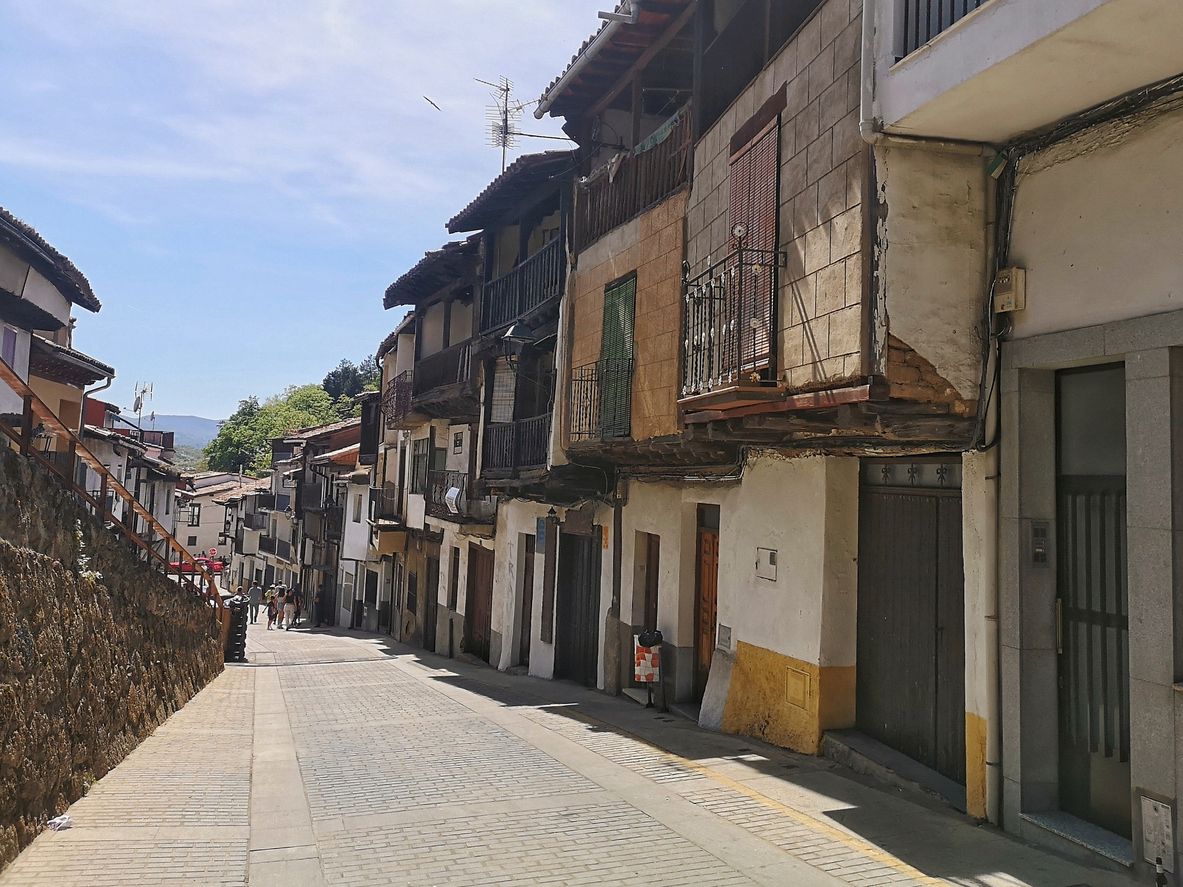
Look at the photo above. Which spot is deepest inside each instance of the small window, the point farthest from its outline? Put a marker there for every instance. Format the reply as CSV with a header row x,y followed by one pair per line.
x,y
195,514
454,580
8,347
420,464
192,543
458,442
357,509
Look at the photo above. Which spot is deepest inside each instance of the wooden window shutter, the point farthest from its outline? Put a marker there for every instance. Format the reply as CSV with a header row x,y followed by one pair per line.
x,y
755,204
501,405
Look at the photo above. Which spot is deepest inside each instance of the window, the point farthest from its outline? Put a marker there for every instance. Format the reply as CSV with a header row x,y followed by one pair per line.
x,y
192,542
458,442
357,509
195,514
420,464
8,347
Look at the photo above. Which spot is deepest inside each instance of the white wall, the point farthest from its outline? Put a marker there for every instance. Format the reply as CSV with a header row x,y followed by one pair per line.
x,y
931,254
516,518
355,539
1097,226
10,401
432,329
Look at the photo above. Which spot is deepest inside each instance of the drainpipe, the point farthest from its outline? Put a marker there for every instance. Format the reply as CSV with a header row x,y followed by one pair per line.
x,y
990,537
86,394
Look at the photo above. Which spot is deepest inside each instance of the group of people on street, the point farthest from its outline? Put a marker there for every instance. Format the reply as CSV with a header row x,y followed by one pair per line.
x,y
284,605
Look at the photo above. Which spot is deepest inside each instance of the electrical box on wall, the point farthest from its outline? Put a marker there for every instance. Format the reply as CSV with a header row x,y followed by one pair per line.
x,y
766,563
1010,290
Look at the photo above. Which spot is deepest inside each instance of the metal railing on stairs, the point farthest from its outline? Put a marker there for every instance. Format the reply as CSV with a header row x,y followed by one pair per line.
x,y
38,423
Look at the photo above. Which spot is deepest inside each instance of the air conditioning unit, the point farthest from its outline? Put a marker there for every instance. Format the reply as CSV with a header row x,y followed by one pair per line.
x,y
452,499
1010,290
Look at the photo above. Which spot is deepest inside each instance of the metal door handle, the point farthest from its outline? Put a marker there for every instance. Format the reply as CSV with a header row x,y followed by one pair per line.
x,y
1059,626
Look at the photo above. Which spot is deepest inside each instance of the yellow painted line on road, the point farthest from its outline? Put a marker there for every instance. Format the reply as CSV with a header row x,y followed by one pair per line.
x,y
818,826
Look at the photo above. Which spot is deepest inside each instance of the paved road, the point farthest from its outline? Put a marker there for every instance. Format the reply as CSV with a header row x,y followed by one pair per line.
x,y
346,760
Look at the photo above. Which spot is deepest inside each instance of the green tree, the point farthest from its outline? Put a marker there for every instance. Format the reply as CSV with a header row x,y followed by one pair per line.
x,y
244,440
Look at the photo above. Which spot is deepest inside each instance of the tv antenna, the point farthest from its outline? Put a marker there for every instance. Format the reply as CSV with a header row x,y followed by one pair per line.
x,y
503,116
143,395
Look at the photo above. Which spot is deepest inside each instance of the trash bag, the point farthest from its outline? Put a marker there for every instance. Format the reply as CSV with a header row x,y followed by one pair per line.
x,y
649,638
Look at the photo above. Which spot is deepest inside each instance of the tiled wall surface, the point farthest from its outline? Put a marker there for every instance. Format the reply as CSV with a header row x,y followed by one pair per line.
x,y
650,245
823,168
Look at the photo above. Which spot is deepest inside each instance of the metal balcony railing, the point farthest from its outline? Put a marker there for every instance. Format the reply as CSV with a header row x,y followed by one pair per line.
x,y
602,400
728,322
283,549
438,484
310,496
255,521
445,367
396,399
631,183
515,446
537,280
266,545
922,20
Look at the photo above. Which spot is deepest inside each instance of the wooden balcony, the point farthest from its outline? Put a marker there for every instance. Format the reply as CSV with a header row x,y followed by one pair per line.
x,y
530,285
514,447
396,399
636,180
443,385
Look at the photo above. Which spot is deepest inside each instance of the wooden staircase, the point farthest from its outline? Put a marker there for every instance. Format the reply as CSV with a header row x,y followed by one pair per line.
x,y
38,422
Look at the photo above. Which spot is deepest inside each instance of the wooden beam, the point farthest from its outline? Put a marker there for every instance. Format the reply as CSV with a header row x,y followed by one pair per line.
x,y
643,60
814,400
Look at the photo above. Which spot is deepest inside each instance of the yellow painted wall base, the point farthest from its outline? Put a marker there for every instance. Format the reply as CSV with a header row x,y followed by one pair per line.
x,y
786,701
975,765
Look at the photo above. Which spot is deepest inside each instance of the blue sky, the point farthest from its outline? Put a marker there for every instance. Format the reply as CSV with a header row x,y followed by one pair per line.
x,y
240,181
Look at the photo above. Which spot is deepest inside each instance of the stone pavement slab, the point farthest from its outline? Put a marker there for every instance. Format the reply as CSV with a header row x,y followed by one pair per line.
x,y
344,759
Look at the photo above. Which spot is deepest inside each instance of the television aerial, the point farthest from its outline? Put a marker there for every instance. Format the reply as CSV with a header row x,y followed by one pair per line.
x,y
503,117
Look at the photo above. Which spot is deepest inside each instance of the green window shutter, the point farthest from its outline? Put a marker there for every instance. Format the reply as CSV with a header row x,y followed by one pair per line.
x,y
616,358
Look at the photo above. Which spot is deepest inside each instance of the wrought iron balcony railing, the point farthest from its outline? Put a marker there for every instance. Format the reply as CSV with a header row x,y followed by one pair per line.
x,y
728,322
537,280
515,446
255,521
445,367
627,186
396,399
438,484
266,545
922,20
602,400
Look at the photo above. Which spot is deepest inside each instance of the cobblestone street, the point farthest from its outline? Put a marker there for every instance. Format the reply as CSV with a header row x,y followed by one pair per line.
x,y
348,760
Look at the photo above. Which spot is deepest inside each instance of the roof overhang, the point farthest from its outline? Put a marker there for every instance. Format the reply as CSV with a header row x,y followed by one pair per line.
x,y
25,314
55,362
609,54
511,190
445,267
55,267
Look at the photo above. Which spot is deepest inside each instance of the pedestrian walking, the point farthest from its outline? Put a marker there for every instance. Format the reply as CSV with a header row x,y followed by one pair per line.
x,y
255,597
271,612
317,609
299,606
289,611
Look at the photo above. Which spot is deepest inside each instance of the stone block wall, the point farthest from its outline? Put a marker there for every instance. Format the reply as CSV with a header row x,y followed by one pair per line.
x,y
652,246
822,309
96,650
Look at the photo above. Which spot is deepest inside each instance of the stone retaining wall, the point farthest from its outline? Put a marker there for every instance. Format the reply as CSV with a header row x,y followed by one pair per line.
x,y
96,651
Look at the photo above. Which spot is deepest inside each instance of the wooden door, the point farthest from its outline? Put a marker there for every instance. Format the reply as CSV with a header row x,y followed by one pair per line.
x,y
652,571
431,596
1092,598
478,602
527,603
706,607
577,641
910,627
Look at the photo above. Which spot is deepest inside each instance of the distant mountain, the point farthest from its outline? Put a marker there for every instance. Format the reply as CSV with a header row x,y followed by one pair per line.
x,y
191,431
